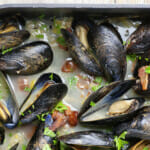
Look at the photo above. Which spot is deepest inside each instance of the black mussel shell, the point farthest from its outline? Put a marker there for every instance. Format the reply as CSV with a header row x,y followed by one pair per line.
x,y
138,127
84,139
28,59
139,40
12,39
14,147
102,102
46,93
107,44
2,135
82,55
40,141
141,145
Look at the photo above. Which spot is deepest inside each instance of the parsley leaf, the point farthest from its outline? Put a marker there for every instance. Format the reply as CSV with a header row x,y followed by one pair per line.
x,y
92,104
40,36
6,51
145,148
73,81
46,147
120,141
51,77
57,26
41,16
124,43
61,40
27,89
98,80
24,147
147,69
131,57
49,132
95,88
41,117
60,107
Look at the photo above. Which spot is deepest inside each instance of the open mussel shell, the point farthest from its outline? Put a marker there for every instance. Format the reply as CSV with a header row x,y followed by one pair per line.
x,y
141,145
139,40
2,135
138,127
82,55
84,139
105,40
28,59
12,23
39,141
9,113
12,39
14,147
142,86
44,96
92,115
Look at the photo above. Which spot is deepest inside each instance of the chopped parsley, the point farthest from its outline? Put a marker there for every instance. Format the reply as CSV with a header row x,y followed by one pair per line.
x,y
6,51
49,132
73,81
57,26
51,77
27,89
46,147
60,107
41,16
147,69
33,106
145,148
29,111
92,103
139,57
95,88
10,134
120,141
61,40
45,59
24,147
40,36
131,57
98,80
22,114
54,142
41,116
124,43
146,59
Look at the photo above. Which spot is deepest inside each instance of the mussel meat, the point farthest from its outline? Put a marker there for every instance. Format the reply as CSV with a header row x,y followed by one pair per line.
x,y
139,126
139,40
110,107
88,139
28,59
46,93
41,140
9,112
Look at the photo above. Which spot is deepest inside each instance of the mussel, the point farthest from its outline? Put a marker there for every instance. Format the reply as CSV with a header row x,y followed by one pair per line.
x,y
2,135
139,40
81,54
14,147
28,59
12,23
12,39
46,93
42,140
9,112
139,126
141,145
143,78
106,42
111,107
88,139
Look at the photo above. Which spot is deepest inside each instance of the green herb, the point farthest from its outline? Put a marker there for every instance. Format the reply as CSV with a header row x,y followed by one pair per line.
x,y
60,107
41,16
147,69
45,59
0,97
40,36
61,41
27,89
95,88
145,148
22,114
41,117
49,132
6,51
9,146
33,106
92,103
73,81
146,59
44,26
57,26
19,123
140,57
129,42
63,146
120,141
51,77
54,142
10,134
29,111
58,133
46,147
131,57
24,147
124,43
98,80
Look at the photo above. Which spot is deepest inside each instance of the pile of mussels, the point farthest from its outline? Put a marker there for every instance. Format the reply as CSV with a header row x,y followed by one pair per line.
x,y
97,50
